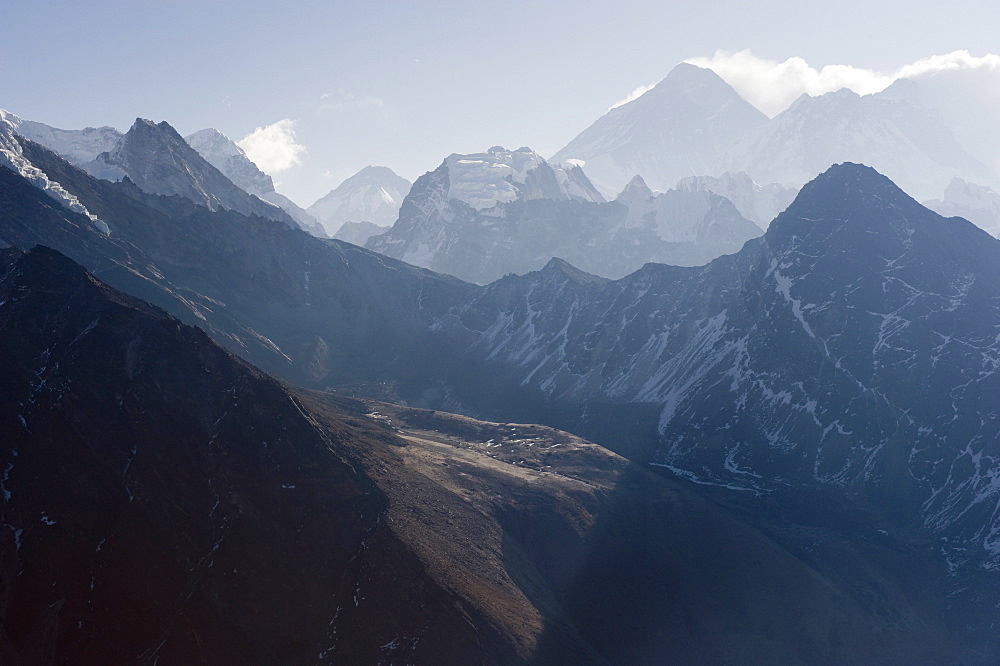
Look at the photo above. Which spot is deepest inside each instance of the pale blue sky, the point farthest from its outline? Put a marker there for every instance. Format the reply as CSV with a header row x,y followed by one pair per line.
x,y
406,83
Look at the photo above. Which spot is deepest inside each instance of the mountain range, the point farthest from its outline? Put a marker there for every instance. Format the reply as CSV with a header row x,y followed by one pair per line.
x,y
534,348
922,133
790,449
901,139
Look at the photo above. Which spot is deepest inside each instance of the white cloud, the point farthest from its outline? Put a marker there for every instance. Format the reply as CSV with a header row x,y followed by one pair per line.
x,y
771,85
273,148
635,94
949,62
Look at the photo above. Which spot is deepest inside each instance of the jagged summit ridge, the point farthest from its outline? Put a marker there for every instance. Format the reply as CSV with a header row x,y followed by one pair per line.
x,y
901,138
483,180
635,190
78,146
480,216
158,160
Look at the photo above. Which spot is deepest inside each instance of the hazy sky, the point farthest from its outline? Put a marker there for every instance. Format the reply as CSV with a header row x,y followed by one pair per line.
x,y
338,85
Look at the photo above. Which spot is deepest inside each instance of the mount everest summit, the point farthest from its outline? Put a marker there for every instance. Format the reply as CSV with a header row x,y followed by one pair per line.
x,y
673,131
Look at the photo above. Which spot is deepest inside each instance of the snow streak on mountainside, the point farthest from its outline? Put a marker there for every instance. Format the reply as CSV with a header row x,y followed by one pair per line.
x,y
485,215
259,287
372,195
12,157
855,345
673,131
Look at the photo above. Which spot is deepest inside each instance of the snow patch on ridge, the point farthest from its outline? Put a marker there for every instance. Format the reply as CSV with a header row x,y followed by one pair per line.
x,y
483,180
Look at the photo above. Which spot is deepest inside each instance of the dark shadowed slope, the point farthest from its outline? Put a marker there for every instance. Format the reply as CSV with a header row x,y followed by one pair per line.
x,y
164,501
598,560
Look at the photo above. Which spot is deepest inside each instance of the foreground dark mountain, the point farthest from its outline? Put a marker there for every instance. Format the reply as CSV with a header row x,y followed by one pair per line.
x,y
624,566
164,501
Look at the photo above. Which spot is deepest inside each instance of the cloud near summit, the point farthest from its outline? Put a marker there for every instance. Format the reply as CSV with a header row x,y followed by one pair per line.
x,y
772,86
273,148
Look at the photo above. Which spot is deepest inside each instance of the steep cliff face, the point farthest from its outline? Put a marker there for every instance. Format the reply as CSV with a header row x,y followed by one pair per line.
x,y
222,152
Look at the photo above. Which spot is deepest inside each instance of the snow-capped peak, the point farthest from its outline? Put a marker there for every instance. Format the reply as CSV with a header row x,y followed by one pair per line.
x,y
222,152
483,180
374,194
636,190
211,141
